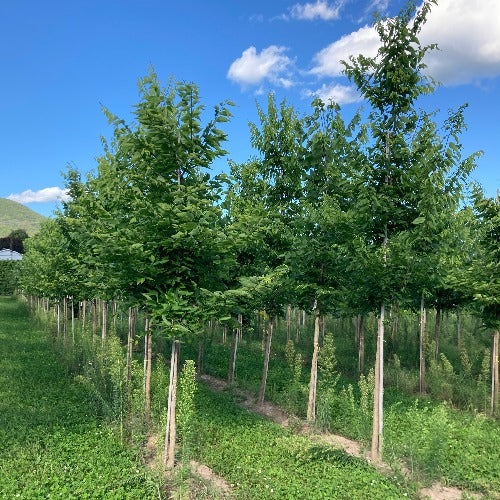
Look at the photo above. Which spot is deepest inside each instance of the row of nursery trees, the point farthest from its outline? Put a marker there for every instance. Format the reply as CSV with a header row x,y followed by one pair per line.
x,y
333,217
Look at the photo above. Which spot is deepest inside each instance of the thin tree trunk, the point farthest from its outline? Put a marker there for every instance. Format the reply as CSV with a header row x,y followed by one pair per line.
x,y
65,319
72,321
378,393
267,352
494,372
170,432
224,334
148,354
104,326
288,321
361,351
297,327
84,314
240,326
437,333
58,313
94,317
311,405
114,309
130,346
232,359
459,330
422,384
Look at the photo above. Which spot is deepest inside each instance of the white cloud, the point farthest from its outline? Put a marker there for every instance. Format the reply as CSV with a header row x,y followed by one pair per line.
x,y
321,9
468,35
378,5
340,94
466,31
43,195
327,61
253,68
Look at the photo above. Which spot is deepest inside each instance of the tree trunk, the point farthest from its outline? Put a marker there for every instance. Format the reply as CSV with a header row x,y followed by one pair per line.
x,y
361,351
84,314
170,431
65,319
378,392
267,352
422,385
288,321
104,329
297,327
494,372
58,308
148,352
232,359
94,318
311,405
72,321
459,330
240,326
437,332
130,346
114,311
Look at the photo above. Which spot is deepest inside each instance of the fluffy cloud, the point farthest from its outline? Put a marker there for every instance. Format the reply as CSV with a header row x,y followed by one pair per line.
x,y
341,94
43,195
468,35
466,31
253,68
327,61
321,9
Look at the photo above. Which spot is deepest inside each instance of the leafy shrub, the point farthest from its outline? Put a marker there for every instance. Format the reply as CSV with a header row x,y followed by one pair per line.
x,y
9,276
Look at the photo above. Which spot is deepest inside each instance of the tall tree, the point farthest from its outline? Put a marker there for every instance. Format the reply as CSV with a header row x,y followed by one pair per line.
x,y
391,82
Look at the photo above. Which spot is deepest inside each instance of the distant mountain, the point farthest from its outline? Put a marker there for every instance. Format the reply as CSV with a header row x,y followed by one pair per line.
x,y
13,215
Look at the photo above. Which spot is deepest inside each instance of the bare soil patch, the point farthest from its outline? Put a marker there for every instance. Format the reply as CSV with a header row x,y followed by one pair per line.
x,y
206,473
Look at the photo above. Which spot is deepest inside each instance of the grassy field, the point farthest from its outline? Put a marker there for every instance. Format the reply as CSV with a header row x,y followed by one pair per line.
x,y
51,444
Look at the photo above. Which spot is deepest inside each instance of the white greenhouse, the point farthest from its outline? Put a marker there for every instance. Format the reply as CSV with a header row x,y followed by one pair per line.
x,y
6,254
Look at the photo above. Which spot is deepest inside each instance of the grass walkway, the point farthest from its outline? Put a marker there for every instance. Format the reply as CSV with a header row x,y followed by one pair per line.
x,y
51,443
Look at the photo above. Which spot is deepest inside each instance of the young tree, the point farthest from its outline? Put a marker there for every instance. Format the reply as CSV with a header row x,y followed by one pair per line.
x,y
391,83
484,277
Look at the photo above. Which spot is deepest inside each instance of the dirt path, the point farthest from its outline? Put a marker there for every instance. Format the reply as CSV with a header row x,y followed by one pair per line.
x,y
207,474
269,410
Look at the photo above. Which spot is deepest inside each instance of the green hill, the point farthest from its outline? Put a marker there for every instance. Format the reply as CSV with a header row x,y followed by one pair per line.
x,y
13,215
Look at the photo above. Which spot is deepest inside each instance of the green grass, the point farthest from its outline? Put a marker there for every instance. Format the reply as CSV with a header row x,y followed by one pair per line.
x,y
13,216
51,443
262,460
437,442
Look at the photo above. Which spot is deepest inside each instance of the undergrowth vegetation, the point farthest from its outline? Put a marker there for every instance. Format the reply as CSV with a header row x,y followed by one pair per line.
x,y
51,441
431,438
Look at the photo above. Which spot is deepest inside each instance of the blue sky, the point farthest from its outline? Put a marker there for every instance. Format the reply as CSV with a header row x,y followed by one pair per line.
x,y
61,60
